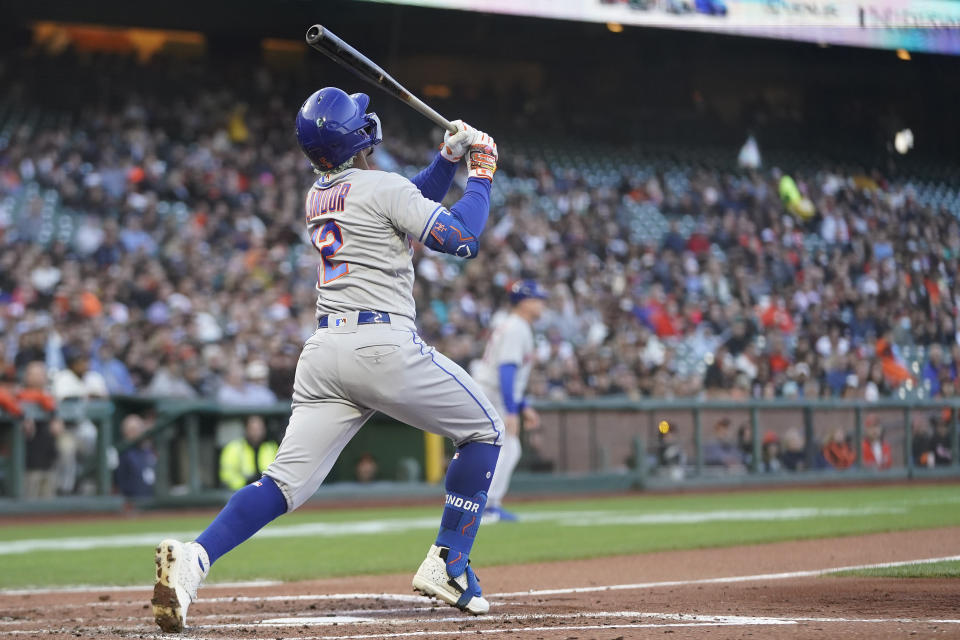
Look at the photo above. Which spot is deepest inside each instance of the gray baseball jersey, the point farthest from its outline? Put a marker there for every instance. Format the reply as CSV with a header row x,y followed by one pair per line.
x,y
360,222
510,343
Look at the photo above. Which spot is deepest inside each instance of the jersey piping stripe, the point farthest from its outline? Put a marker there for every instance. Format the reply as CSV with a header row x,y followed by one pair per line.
x,y
475,399
429,224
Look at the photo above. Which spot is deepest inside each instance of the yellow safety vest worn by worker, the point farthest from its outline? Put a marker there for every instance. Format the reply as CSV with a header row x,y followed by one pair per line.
x,y
239,463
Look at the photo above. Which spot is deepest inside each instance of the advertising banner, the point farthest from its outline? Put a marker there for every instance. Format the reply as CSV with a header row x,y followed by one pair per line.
x,y
915,25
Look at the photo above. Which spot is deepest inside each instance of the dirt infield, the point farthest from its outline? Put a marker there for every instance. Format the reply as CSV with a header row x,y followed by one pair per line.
x,y
771,590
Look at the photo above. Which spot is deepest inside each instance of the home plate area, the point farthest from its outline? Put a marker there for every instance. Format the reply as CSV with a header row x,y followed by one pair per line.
x,y
762,591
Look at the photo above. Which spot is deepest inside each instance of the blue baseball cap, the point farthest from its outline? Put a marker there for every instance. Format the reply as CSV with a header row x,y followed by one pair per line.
x,y
523,289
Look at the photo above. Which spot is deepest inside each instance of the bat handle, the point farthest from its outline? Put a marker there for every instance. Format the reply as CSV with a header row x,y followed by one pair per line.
x,y
431,115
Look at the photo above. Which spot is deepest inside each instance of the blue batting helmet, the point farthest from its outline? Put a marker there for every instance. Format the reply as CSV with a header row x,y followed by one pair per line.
x,y
332,126
523,289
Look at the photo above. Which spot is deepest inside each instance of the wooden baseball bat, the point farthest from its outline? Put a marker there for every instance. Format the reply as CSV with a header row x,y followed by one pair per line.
x,y
324,41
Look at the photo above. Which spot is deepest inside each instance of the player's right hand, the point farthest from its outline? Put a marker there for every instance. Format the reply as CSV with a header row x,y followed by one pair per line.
x,y
512,422
482,157
456,144
531,419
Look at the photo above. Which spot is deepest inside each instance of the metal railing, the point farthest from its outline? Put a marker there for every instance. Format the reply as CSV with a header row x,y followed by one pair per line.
x,y
100,413
577,438
603,435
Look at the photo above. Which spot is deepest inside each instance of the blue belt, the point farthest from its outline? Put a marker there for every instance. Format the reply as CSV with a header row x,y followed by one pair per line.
x,y
364,317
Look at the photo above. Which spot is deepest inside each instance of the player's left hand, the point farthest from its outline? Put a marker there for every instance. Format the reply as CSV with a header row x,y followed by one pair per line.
x,y
456,144
531,419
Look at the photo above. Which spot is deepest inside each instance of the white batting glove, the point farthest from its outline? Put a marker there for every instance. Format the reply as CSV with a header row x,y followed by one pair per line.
x,y
456,144
482,157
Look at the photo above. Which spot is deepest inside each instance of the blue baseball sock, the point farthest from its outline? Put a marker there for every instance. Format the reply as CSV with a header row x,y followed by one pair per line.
x,y
248,511
468,478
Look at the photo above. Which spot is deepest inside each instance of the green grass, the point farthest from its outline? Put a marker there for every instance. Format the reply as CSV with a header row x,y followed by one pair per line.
x,y
946,569
614,526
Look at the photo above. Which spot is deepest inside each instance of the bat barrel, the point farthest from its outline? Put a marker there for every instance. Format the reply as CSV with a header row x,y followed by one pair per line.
x,y
326,42
314,34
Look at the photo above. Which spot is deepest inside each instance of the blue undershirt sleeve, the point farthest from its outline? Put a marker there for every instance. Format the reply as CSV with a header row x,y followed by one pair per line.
x,y
508,374
435,180
474,206
456,231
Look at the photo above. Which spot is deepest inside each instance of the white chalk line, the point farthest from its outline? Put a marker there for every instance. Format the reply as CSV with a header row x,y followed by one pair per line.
x,y
727,580
553,629
508,617
395,525
340,618
396,597
421,633
650,585
537,592
305,529
83,588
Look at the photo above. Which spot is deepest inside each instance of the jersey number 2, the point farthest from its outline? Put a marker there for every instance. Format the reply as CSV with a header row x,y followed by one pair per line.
x,y
328,240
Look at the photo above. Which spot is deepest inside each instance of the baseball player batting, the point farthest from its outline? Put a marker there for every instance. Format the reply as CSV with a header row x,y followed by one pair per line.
x,y
366,354
503,373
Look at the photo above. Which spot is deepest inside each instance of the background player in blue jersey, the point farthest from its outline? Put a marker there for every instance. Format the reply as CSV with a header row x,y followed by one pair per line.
x,y
366,354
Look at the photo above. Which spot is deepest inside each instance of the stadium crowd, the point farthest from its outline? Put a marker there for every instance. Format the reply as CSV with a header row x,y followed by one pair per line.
x,y
186,272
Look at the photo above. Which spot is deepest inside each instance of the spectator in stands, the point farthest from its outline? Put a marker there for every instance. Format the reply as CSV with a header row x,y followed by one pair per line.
x,y
366,468
169,380
671,458
876,451
837,451
894,372
8,394
73,388
745,443
770,459
244,460
115,373
794,457
251,390
257,391
42,429
136,472
922,441
934,370
183,239
723,450
232,390
941,445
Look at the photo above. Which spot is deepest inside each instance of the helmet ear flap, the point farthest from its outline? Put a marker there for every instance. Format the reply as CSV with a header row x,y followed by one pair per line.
x,y
375,129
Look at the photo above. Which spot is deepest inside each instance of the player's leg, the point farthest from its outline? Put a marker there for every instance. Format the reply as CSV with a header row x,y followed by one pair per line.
x,y
320,426
509,457
315,436
425,389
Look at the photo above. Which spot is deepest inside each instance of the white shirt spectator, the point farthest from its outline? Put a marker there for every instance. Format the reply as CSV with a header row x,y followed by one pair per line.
x,y
826,348
67,384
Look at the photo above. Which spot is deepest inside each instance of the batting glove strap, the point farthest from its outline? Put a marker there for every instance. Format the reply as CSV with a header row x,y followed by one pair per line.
x,y
482,157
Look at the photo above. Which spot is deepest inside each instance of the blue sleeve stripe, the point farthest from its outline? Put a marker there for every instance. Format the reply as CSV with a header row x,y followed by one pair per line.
x,y
433,216
508,373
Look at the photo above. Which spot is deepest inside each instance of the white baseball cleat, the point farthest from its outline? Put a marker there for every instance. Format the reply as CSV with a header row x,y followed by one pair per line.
x,y
181,568
462,592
